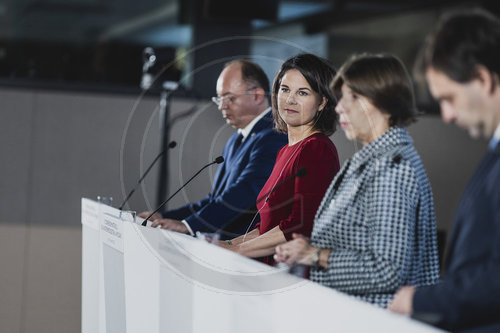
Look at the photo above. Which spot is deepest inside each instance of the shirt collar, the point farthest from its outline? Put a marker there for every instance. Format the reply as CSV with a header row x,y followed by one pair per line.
x,y
248,128
496,137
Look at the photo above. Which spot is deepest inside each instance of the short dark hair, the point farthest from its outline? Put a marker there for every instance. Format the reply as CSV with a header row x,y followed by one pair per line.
x,y
383,79
252,73
318,73
463,39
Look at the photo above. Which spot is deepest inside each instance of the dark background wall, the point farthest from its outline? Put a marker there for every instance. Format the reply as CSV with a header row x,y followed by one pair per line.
x,y
59,147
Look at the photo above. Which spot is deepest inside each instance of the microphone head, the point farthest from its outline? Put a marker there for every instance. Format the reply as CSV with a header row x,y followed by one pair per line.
x,y
148,56
172,144
302,172
219,160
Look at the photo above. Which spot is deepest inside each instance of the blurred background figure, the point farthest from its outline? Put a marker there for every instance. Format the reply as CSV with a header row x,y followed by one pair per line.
x,y
461,60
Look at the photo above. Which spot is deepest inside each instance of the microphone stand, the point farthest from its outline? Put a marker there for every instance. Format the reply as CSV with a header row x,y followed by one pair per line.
x,y
149,59
171,145
167,88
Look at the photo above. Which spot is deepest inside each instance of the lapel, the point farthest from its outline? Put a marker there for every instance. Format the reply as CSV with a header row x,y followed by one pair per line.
x,y
334,186
476,182
264,123
221,171
392,140
231,159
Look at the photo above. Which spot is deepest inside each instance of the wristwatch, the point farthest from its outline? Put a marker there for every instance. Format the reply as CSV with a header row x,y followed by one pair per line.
x,y
315,258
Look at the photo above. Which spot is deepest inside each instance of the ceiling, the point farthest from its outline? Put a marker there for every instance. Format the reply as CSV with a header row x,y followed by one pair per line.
x,y
156,22
101,41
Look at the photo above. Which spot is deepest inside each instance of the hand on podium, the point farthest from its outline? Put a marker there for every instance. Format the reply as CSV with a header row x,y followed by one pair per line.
x,y
403,300
169,224
297,251
156,216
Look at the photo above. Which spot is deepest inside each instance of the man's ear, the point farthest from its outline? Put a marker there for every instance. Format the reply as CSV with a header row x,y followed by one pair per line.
x,y
259,95
487,79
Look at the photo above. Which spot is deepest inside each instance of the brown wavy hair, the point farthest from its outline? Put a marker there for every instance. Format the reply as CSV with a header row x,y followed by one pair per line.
x,y
318,73
383,79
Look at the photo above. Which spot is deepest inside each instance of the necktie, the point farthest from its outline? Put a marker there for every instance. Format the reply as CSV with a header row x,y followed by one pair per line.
x,y
237,143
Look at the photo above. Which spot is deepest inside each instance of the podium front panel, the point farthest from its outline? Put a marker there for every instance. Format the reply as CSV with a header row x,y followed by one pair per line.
x,y
90,266
113,272
150,280
142,279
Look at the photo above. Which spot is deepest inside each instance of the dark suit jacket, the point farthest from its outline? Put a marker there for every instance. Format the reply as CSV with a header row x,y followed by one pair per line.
x,y
469,295
230,206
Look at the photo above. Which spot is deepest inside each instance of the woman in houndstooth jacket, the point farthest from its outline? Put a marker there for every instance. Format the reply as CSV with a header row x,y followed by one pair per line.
x,y
375,228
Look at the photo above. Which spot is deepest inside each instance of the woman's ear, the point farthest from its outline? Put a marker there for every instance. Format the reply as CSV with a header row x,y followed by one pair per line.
x,y
323,104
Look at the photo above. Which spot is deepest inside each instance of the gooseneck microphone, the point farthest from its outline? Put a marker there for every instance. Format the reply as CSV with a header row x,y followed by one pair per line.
x,y
171,145
218,160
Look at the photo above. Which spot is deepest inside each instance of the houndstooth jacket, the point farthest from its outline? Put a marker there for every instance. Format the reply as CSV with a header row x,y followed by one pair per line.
x,y
378,218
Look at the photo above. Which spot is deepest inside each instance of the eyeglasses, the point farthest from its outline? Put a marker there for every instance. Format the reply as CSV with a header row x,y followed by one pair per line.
x,y
229,99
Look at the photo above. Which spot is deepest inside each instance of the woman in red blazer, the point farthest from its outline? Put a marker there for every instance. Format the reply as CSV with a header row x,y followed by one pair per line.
x,y
304,109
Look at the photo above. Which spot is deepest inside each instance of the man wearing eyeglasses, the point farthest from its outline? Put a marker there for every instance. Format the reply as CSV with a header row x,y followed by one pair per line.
x,y
249,156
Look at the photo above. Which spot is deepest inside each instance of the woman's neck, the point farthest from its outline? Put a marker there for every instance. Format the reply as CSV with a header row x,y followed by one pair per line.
x,y
297,134
379,124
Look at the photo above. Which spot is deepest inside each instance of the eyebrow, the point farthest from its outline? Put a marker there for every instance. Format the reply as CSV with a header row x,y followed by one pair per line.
x,y
303,88
441,98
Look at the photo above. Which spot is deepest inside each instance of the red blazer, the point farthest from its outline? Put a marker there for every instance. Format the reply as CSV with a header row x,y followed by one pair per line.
x,y
289,202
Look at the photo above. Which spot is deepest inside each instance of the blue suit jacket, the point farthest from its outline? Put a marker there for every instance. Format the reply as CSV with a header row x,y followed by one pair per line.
x,y
469,295
230,206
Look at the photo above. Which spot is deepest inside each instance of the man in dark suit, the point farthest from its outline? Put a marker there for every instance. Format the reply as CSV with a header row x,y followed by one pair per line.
x,y
249,156
461,61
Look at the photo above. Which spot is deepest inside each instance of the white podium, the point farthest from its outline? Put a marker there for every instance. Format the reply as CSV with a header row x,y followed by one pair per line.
x,y
140,279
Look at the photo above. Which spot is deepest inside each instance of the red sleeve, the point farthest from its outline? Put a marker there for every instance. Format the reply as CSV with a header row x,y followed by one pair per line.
x,y
320,159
